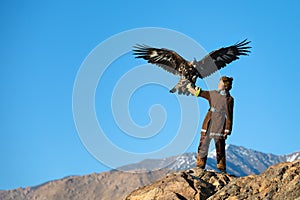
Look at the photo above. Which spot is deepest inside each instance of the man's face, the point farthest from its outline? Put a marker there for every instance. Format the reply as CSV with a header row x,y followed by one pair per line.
x,y
221,85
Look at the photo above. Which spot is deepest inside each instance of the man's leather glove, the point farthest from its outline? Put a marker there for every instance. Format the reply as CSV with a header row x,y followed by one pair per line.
x,y
194,91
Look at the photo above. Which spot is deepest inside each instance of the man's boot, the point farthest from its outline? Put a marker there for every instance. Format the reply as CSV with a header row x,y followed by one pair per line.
x,y
201,162
221,165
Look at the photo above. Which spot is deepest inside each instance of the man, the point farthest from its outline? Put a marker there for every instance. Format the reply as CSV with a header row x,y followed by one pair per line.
x,y
217,123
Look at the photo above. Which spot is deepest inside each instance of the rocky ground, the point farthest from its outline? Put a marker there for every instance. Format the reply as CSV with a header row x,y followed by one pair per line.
x,y
281,181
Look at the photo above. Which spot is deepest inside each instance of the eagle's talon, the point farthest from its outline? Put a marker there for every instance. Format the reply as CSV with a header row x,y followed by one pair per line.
x,y
172,90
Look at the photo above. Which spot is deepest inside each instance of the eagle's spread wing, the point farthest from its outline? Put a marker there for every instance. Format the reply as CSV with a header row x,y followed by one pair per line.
x,y
218,59
165,58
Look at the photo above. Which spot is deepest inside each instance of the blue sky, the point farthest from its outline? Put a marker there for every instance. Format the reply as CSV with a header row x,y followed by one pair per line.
x,y
44,43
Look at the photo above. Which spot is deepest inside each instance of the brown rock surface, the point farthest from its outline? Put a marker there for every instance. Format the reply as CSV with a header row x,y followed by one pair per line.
x,y
281,181
189,184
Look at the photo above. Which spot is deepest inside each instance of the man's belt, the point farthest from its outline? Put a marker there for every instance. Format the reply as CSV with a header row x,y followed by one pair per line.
x,y
213,109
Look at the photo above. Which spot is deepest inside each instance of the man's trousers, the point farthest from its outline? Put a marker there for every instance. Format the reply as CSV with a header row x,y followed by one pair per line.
x,y
203,152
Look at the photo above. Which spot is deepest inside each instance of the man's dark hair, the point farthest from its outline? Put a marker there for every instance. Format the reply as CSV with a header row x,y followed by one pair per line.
x,y
227,82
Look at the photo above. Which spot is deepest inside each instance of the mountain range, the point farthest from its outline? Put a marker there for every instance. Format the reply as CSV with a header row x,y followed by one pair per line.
x,y
117,184
240,161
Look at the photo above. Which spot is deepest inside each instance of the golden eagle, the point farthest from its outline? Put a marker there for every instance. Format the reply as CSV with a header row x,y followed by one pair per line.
x,y
189,71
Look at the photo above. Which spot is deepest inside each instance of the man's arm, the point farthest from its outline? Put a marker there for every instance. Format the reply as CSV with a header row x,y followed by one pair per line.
x,y
198,92
229,116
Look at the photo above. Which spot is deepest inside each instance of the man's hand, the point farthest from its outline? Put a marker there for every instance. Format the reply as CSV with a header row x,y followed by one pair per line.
x,y
226,133
193,91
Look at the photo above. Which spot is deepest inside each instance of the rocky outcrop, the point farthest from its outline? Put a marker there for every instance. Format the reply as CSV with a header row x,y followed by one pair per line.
x,y
190,184
281,181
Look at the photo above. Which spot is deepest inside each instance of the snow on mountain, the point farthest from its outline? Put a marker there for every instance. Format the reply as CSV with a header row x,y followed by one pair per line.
x,y
240,161
292,157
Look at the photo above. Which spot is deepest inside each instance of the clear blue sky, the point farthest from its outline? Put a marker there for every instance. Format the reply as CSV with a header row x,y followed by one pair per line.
x,y
44,43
